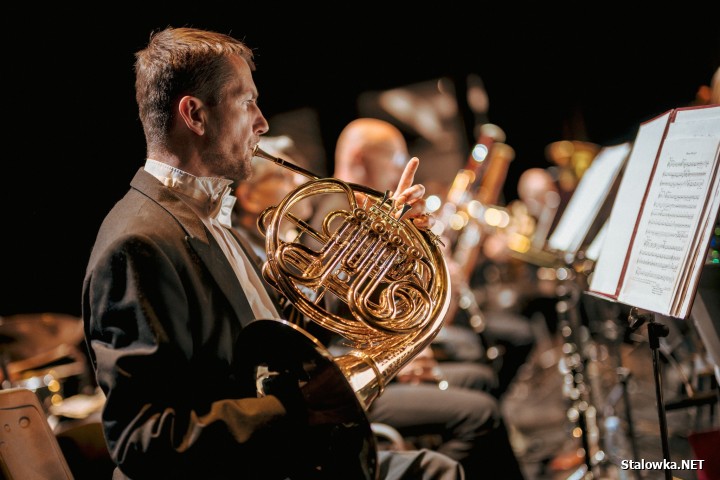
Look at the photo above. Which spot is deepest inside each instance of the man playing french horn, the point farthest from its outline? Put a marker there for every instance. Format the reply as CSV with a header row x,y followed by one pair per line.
x,y
169,289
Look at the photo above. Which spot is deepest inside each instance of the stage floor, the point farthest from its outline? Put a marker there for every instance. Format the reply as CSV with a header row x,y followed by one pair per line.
x,y
542,435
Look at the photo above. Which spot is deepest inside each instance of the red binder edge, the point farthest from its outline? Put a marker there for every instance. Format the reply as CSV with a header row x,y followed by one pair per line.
x,y
671,119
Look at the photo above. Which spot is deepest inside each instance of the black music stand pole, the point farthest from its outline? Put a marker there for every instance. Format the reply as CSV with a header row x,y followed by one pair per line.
x,y
656,331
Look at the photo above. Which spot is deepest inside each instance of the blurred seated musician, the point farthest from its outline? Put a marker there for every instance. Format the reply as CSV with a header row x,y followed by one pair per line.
x,y
169,290
374,153
534,214
267,187
483,309
539,193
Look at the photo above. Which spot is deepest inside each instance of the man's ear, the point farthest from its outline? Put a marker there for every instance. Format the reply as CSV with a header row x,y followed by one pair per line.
x,y
191,112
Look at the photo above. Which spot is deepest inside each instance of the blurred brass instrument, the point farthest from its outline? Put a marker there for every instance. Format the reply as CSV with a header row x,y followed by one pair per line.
x,y
469,212
572,157
475,190
395,282
471,206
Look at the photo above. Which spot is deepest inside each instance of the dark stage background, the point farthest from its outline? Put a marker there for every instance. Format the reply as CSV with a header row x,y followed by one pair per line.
x,y
74,140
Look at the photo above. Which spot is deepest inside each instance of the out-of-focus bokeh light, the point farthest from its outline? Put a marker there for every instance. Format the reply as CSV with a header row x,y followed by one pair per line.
x,y
479,152
432,203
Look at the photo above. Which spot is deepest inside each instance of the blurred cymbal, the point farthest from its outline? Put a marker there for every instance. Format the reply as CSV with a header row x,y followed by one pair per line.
x,y
26,335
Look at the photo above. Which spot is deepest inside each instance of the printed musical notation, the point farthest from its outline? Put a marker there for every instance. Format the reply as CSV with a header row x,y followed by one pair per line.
x,y
674,208
657,264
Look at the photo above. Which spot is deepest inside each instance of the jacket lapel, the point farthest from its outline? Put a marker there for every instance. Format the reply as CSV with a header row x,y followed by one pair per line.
x,y
200,241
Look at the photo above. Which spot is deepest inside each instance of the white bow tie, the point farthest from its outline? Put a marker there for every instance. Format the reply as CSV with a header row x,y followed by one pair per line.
x,y
221,209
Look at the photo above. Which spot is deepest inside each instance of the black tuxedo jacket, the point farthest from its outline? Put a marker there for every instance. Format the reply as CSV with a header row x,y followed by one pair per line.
x,y
163,310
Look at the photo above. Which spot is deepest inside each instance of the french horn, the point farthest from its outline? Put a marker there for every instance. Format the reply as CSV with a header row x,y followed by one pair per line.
x,y
394,282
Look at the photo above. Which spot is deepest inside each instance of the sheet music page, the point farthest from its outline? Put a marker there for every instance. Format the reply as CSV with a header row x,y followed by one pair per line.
x,y
667,239
625,211
696,114
687,295
588,198
691,125
593,251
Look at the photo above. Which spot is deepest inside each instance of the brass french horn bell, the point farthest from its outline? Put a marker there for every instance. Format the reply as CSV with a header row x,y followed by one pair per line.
x,y
395,284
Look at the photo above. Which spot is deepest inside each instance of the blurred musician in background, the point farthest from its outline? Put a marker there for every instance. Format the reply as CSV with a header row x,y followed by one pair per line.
x,y
476,229
169,288
268,185
709,94
533,215
373,152
539,194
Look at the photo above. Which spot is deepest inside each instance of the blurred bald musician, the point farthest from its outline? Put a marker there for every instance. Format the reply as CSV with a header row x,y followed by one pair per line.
x,y
538,191
267,187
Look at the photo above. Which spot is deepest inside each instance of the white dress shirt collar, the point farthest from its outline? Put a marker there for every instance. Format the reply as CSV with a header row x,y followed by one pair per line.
x,y
209,195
